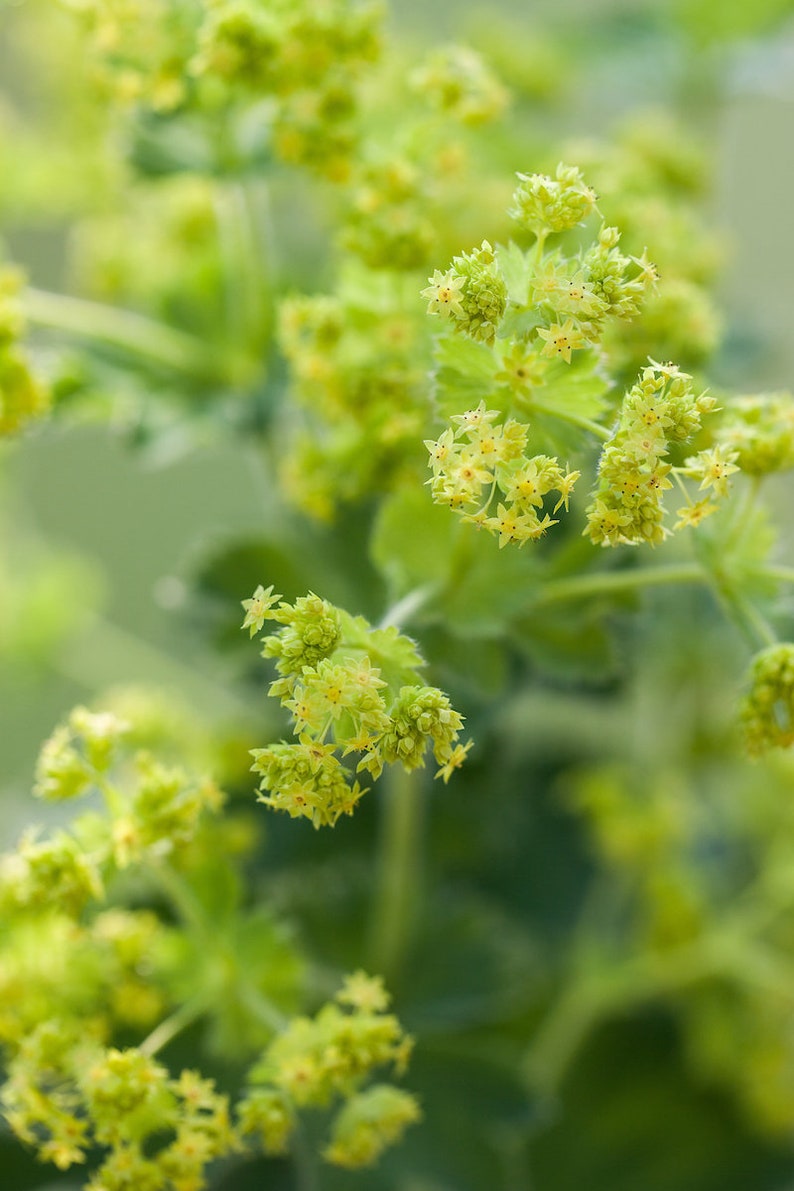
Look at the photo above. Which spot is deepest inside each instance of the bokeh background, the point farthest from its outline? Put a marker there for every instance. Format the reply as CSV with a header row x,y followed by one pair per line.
x,y
130,530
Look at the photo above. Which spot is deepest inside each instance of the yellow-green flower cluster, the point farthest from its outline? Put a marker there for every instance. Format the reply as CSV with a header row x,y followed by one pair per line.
x,y
480,460
662,408
141,48
456,81
472,293
317,1062
156,814
304,57
768,708
349,689
43,874
22,396
544,205
358,363
760,430
388,224
66,1094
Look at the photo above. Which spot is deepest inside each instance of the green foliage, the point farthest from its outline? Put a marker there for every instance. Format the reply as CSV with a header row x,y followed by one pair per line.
x,y
257,220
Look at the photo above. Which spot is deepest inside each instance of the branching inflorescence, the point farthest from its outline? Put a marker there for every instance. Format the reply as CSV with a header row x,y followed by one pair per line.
x,y
349,688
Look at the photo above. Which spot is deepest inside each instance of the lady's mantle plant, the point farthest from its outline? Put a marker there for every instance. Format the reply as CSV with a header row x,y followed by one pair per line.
x,y
555,373
78,967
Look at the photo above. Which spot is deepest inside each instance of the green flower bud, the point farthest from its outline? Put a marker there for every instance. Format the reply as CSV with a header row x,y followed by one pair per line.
x,y
369,1123
760,430
542,204
767,712
457,81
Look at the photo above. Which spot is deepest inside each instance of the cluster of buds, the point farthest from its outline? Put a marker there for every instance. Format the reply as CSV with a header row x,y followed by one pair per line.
x,y
472,293
660,409
768,708
319,1061
456,80
760,431
349,689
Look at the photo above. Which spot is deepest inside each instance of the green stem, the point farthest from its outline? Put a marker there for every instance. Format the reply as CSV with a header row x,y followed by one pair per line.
x,y
135,333
604,582
261,1008
169,1028
755,629
245,232
781,574
188,907
397,870
403,611
590,999
574,419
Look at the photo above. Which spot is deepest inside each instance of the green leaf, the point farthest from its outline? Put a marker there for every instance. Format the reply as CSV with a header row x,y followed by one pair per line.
x,y
413,541
463,355
516,272
578,388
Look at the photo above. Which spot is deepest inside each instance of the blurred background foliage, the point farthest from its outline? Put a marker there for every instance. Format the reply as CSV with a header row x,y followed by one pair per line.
x,y
604,821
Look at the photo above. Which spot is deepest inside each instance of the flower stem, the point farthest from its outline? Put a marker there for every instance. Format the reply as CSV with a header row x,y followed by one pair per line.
x,y
397,872
564,415
404,609
169,1028
153,341
604,582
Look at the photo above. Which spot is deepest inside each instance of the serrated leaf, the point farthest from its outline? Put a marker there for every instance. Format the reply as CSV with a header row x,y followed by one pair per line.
x,y
395,655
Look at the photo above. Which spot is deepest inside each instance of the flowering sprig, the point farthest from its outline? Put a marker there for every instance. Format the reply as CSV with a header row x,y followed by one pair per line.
x,y
305,59
324,1060
73,972
479,457
662,408
349,688
539,316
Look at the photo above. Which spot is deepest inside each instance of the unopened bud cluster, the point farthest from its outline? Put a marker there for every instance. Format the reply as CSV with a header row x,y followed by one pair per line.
x,y
472,293
542,204
760,430
768,708
349,689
